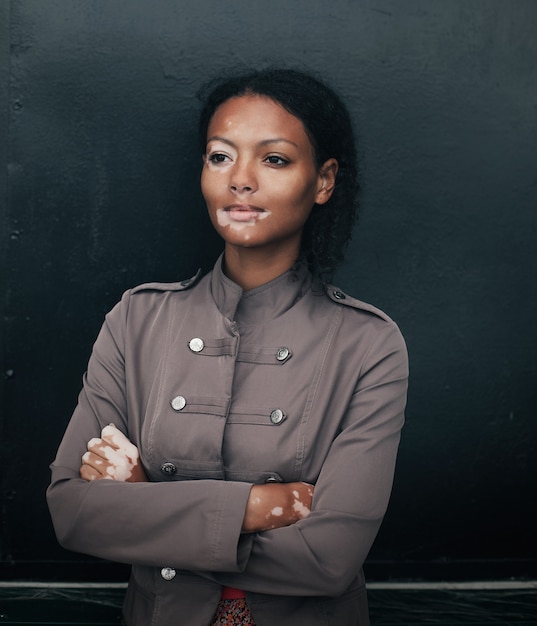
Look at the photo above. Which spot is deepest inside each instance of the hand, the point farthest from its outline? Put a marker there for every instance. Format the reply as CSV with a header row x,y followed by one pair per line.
x,y
274,505
112,457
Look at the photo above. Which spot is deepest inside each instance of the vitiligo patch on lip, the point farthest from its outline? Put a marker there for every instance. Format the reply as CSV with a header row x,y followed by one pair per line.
x,y
224,219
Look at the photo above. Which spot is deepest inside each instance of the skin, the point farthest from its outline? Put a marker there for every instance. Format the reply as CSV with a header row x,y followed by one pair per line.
x,y
260,182
112,456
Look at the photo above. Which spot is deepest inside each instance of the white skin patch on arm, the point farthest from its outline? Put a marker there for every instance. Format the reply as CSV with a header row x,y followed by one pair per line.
x,y
300,508
277,511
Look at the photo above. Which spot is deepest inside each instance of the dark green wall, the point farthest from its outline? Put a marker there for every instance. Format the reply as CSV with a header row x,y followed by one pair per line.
x,y
99,192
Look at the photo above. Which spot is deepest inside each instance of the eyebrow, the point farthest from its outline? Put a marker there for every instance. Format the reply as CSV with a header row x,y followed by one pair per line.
x,y
261,143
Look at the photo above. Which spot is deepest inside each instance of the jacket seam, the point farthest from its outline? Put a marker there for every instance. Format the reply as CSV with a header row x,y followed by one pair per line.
x,y
336,320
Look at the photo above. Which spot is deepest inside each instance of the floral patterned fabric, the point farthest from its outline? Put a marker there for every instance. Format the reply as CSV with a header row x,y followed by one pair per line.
x,y
233,613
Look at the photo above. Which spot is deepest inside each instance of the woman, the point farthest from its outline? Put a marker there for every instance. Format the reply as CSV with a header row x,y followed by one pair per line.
x,y
256,412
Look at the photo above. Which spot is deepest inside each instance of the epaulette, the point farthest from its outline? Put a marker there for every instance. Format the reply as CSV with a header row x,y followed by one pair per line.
x,y
340,297
179,286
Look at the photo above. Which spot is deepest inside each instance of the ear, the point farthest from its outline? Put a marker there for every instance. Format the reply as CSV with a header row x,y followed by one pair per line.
x,y
327,181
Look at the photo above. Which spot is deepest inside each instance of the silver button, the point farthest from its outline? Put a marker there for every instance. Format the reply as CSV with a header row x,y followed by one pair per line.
x,y
168,573
196,344
283,353
178,403
168,468
339,295
276,416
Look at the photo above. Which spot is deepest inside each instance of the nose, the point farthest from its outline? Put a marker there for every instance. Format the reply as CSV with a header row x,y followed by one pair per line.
x,y
243,179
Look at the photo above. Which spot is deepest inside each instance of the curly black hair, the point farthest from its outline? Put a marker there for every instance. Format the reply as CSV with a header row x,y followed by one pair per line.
x,y
328,125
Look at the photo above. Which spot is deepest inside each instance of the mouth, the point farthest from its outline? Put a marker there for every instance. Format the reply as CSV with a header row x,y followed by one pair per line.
x,y
243,212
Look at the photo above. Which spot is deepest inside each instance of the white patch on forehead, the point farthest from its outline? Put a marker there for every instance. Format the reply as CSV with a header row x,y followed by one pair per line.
x,y
296,494
277,511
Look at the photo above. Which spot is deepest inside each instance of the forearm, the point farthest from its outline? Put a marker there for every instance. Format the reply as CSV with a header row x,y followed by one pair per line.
x,y
275,505
323,553
186,524
303,560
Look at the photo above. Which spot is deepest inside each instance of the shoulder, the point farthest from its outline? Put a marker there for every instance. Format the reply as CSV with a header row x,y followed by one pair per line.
x,y
379,331
149,298
182,285
338,296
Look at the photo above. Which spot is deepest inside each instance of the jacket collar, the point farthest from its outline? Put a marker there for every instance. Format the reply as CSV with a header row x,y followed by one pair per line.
x,y
263,303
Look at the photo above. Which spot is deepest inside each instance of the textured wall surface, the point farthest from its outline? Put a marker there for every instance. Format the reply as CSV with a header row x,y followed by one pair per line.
x,y
100,192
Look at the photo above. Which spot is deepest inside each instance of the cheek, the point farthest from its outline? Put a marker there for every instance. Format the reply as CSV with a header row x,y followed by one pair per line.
x,y
212,183
300,191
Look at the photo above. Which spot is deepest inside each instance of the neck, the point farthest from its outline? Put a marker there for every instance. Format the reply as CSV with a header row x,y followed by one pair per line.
x,y
251,268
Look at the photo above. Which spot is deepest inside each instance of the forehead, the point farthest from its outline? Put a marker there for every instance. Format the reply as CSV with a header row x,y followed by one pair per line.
x,y
254,116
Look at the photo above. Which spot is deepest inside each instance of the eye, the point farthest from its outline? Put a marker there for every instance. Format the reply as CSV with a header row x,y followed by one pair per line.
x,y
217,157
274,159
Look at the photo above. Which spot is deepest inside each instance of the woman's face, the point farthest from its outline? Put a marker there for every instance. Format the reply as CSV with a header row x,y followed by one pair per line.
x,y
259,179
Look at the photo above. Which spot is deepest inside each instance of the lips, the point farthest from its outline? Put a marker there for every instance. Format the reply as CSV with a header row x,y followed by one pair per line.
x,y
243,212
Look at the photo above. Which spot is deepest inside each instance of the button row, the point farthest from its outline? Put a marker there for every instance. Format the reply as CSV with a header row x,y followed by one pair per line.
x,y
196,344
277,416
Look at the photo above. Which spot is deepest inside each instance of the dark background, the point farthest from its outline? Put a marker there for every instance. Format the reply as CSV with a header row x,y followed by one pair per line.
x,y
99,192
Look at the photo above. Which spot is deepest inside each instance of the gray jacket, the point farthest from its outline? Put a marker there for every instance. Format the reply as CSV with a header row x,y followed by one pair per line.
x,y
220,389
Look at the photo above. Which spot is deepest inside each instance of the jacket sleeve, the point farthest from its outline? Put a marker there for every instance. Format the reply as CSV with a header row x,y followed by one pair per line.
x,y
192,524
323,553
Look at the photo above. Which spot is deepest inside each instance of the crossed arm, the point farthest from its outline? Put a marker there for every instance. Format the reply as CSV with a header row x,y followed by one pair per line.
x,y
112,456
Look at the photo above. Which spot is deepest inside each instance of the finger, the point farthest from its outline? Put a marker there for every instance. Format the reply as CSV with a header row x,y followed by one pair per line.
x,y
98,463
115,438
102,449
90,473
97,446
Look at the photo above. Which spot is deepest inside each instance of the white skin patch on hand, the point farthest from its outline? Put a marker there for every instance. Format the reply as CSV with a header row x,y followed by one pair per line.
x,y
114,452
114,436
120,467
277,511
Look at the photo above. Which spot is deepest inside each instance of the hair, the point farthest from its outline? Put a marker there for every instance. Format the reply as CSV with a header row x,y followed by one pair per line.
x,y
327,123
